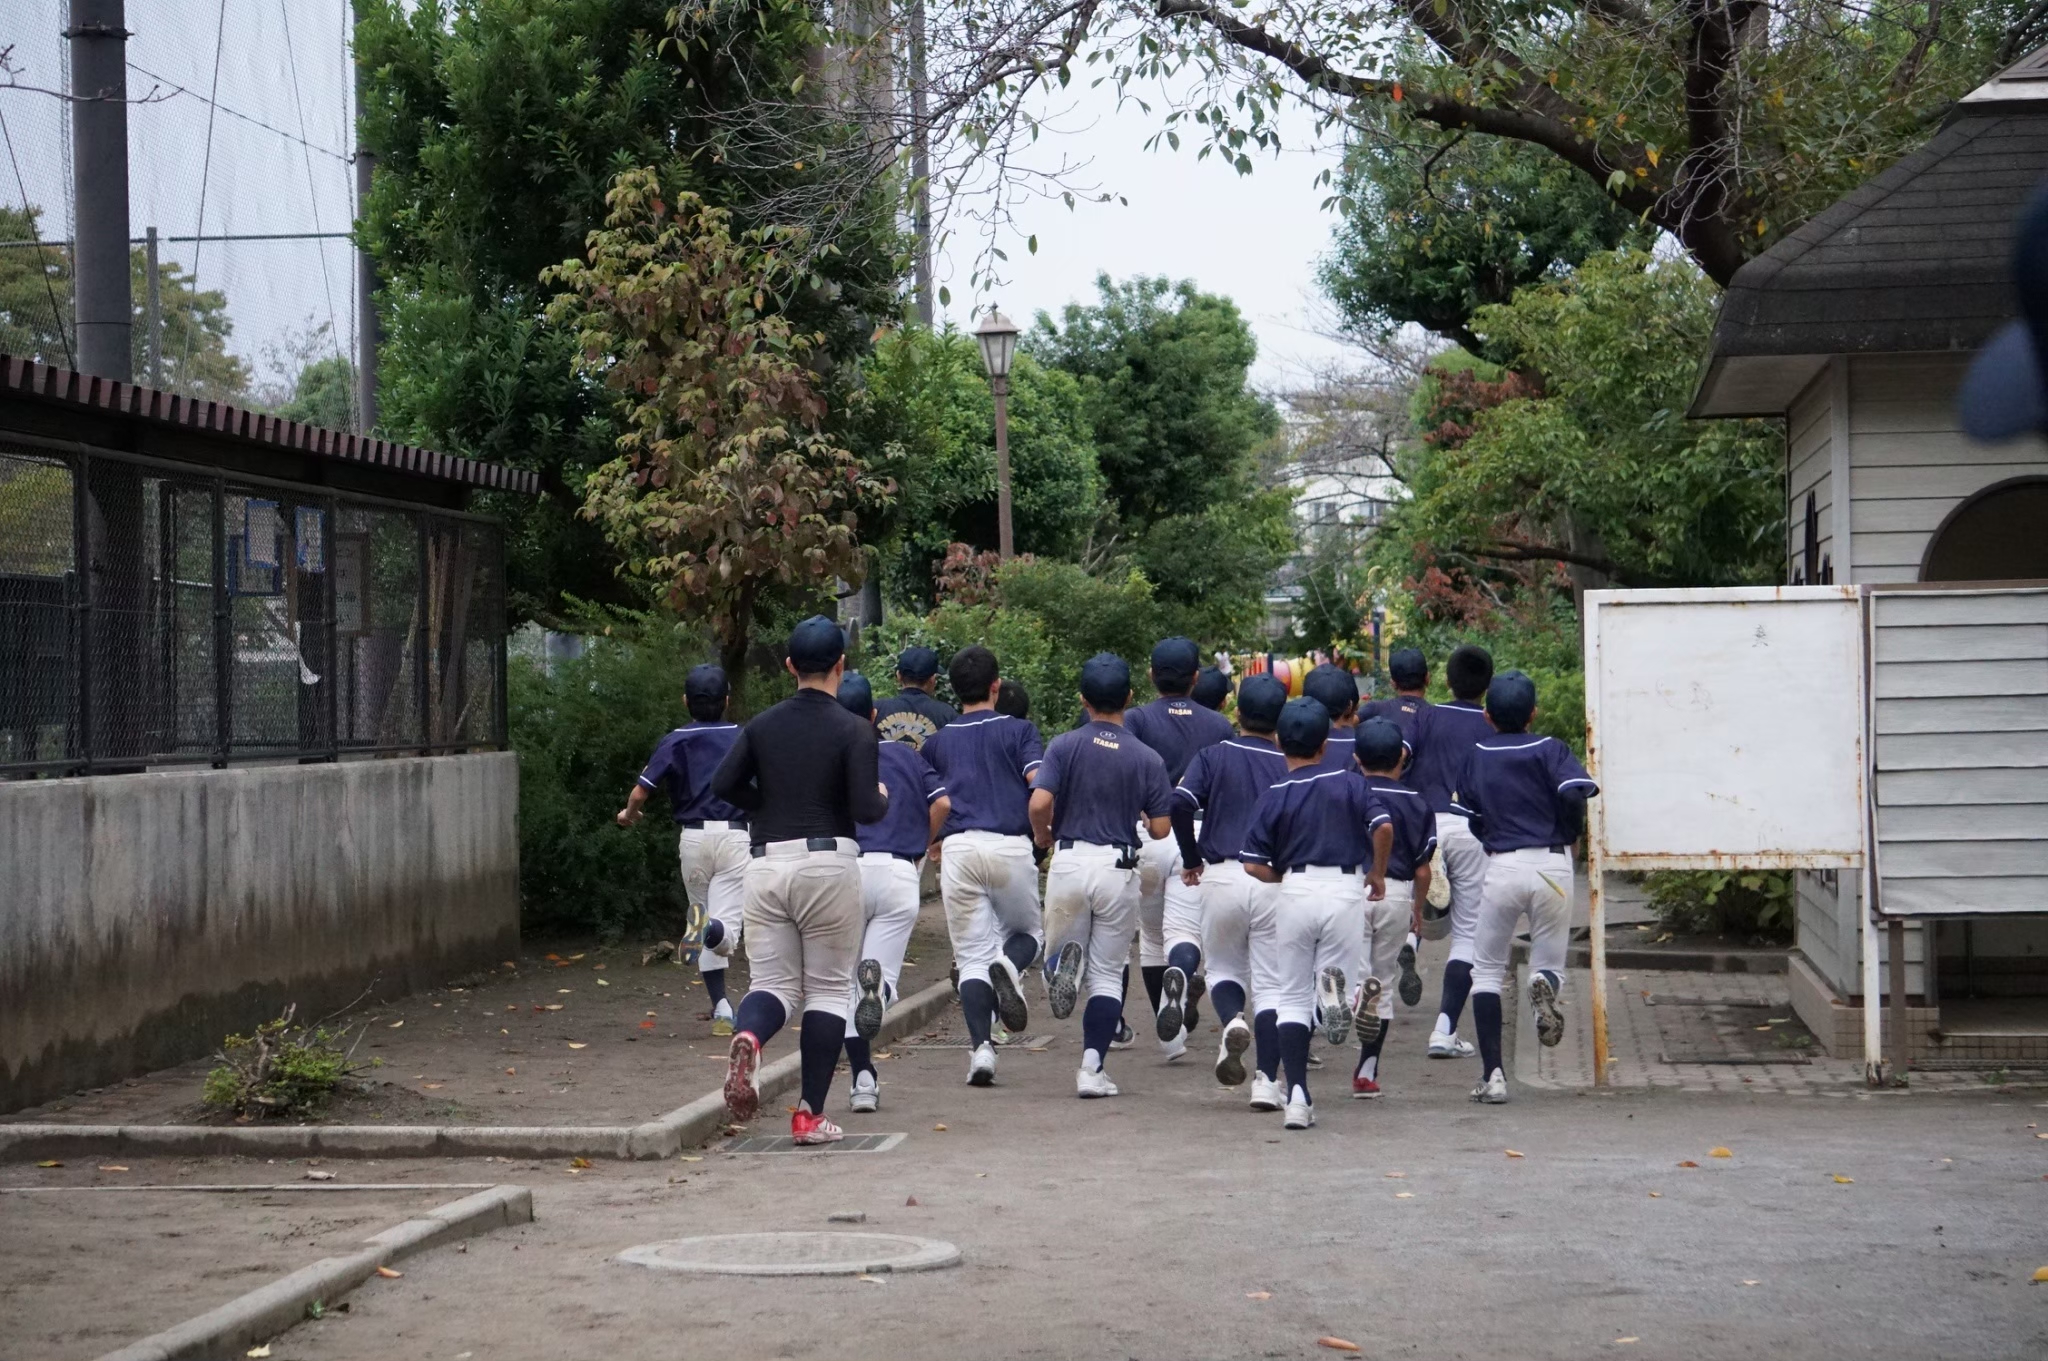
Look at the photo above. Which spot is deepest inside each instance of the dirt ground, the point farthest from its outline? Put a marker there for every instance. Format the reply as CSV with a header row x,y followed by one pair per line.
x,y
570,1033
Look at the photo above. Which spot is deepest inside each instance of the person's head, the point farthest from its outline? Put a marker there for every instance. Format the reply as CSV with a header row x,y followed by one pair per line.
x,y
857,695
1408,669
1013,699
1511,702
1212,687
918,668
1174,664
2005,394
817,651
973,674
705,692
1105,683
1259,702
1468,671
1303,728
1380,750
1334,688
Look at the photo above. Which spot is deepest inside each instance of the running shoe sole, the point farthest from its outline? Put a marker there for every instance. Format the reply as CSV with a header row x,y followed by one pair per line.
x,y
1172,990
1230,1066
980,1077
1009,1001
1198,988
1549,1015
867,1013
1063,989
1369,1023
742,1097
1461,1049
1336,1011
1411,981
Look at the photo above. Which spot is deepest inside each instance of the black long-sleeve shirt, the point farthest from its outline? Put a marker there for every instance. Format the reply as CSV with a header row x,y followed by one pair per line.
x,y
804,768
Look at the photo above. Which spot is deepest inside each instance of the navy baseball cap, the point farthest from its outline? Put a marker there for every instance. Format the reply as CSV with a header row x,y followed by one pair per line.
x,y
1407,667
918,663
2002,398
1212,687
1106,682
1304,727
1511,699
1176,659
1259,701
816,645
1379,744
706,682
1331,686
856,694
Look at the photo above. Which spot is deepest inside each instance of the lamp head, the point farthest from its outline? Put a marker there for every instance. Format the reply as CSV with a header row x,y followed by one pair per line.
x,y
997,336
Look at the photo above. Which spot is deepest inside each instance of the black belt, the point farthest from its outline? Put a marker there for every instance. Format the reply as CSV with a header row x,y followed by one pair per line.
x,y
1214,859
1341,869
811,843
697,824
907,857
1067,843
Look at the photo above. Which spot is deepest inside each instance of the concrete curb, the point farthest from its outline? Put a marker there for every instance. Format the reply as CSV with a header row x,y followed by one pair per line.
x,y
273,1308
1580,956
662,1137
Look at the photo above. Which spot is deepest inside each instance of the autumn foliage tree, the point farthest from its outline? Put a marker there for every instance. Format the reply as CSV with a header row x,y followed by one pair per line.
x,y
726,486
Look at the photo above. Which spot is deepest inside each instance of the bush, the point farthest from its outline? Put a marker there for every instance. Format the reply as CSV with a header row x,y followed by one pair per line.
x,y
283,1069
1750,903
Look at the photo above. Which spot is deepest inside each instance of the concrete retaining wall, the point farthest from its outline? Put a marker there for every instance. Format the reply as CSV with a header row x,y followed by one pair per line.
x,y
143,917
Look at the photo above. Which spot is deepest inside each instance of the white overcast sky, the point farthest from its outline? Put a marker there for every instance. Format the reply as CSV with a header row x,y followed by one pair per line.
x,y
1253,238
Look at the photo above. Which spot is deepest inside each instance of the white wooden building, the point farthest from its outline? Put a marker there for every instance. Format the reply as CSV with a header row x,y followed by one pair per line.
x,y
1857,330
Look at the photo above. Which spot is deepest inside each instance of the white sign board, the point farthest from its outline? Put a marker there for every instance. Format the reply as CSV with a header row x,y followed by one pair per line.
x,y
1725,727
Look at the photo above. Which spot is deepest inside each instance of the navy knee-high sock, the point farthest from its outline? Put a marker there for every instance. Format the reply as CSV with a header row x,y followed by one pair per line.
x,y
1369,1056
858,1057
714,934
1186,956
714,986
1229,1001
1127,980
761,1014
978,1005
1294,1055
1099,1021
1155,981
1486,1020
1266,1043
1457,986
1020,949
822,1034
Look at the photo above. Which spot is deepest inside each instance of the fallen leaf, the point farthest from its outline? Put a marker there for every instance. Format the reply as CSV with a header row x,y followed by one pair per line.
x,y
432,1086
1656,1195
1397,1175
690,1158
565,990
510,964
2041,1136
49,1162
511,1072
1719,1152
263,1350
551,955
112,1167
579,1162
911,1201
1621,1340
1763,1027
575,956
1512,1154
1259,1295
940,1128
388,1273
871,1280
319,1176
513,1007
606,982
1841,1180
552,1006
1337,1344
2041,1273
394,1025
653,1013
1688,1163
647,1025
574,1045
1752,1282
1404,1195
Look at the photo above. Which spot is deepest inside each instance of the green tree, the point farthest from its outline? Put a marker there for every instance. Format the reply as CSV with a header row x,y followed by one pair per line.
x,y
324,393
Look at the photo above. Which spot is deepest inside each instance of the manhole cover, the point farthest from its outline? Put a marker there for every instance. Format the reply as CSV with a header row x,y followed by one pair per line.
x,y
1026,1042
782,1143
809,1253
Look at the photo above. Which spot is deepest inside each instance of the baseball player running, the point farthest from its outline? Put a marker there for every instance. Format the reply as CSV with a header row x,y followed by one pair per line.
x,y
1169,910
1223,783
1442,736
1525,797
988,880
806,772
1096,787
1337,691
914,713
890,852
1313,834
711,834
1409,670
1388,923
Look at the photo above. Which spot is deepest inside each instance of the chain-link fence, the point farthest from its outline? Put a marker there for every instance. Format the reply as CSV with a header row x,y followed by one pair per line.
x,y
157,614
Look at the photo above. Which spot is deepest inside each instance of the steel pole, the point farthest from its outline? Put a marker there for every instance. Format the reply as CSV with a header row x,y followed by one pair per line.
x,y
103,294
153,314
367,331
1596,926
1006,544
921,167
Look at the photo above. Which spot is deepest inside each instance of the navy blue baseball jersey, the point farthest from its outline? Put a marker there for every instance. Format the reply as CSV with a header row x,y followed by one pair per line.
x,y
1176,728
1521,790
1223,783
1440,739
1315,817
1403,711
913,787
1414,825
681,768
912,716
1341,751
983,759
1102,780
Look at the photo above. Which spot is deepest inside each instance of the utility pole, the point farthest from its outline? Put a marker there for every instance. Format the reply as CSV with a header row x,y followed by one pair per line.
x,y
921,167
102,294
367,331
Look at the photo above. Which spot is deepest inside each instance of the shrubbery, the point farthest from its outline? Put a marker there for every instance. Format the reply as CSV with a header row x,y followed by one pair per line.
x,y
282,1069
1749,903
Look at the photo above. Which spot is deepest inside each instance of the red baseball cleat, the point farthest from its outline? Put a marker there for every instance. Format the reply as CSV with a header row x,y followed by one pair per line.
x,y
742,1096
1364,1089
805,1128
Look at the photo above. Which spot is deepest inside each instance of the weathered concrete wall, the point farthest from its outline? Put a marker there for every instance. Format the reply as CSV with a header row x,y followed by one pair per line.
x,y
143,917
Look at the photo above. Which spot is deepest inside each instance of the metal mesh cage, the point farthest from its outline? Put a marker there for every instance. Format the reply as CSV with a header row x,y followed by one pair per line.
x,y
38,593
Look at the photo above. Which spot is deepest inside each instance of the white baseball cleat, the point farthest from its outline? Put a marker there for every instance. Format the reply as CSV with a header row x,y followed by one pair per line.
x,y
1493,1091
867,1013
1175,1047
1335,1006
1173,991
981,1066
1125,1036
1237,1037
1002,976
1366,1011
1266,1093
1090,1084
1543,990
1063,984
1442,1046
1300,1113
866,1096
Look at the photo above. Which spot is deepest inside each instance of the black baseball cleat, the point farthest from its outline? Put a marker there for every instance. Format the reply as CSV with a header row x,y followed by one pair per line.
x,y
867,1013
1063,984
1411,981
1172,989
1549,1015
1198,987
1002,976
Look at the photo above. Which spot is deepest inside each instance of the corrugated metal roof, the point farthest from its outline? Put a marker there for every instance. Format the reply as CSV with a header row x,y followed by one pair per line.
x,y
25,378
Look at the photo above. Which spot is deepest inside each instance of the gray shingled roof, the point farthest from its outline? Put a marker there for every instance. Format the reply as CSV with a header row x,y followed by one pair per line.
x,y
1918,258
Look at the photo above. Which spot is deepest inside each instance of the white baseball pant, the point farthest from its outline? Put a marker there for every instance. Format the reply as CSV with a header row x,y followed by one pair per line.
x,y
1465,867
1318,923
714,859
1090,901
804,925
1169,912
1233,905
888,904
1386,927
1536,883
988,883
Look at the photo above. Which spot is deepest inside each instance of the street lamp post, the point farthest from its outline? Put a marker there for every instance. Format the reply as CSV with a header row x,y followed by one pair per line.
x,y
997,336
